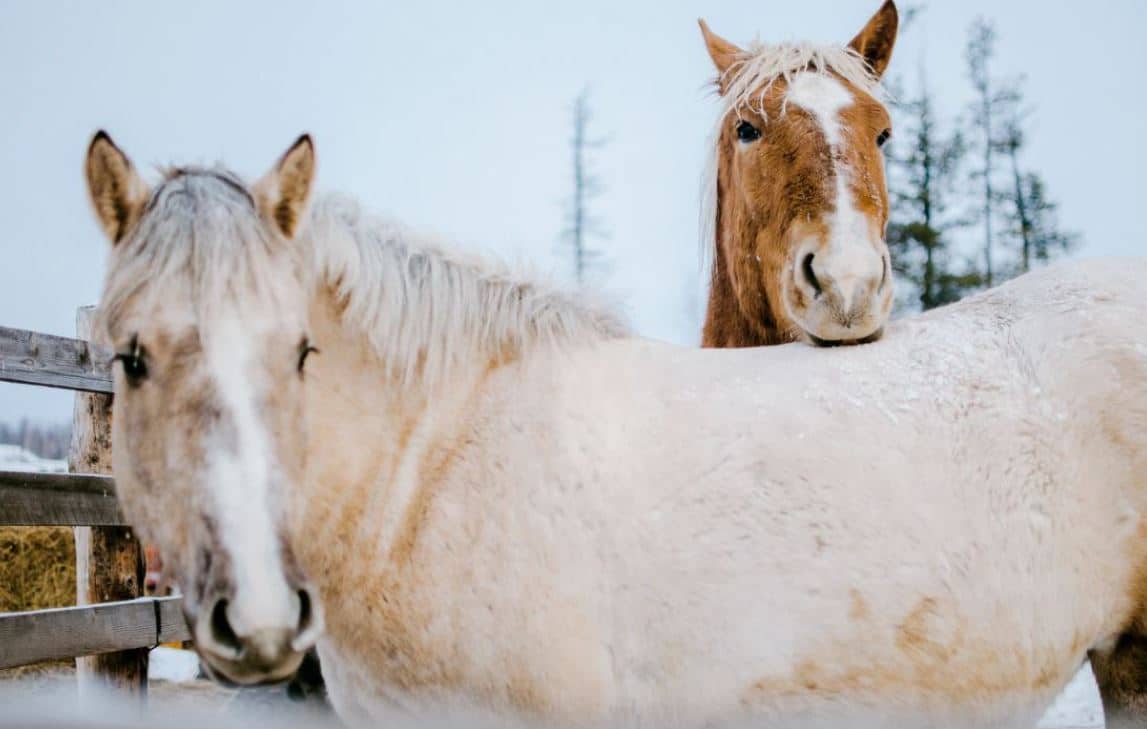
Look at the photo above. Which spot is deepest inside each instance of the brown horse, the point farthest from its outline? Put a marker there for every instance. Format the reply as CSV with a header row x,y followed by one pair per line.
x,y
797,200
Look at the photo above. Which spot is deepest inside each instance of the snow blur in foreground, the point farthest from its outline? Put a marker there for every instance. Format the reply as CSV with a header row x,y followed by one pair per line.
x,y
199,703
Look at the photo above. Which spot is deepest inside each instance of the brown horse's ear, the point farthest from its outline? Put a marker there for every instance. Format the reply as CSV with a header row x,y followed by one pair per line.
x,y
874,43
283,192
117,192
723,53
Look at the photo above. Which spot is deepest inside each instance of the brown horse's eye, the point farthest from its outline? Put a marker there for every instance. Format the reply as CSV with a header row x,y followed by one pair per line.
x,y
305,349
883,137
746,132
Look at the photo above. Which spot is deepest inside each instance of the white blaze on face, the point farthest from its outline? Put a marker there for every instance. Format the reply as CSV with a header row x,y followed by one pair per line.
x,y
240,472
850,255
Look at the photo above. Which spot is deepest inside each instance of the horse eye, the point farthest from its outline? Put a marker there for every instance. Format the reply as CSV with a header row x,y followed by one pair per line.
x,y
134,364
746,132
883,137
305,349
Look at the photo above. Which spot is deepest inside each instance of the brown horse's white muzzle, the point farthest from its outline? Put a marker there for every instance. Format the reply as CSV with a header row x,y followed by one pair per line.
x,y
244,651
841,296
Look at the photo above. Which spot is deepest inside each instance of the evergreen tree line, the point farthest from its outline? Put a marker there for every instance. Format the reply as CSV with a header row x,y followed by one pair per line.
x,y
967,211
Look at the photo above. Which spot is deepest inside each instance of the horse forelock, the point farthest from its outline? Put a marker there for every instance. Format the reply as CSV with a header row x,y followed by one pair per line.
x,y
750,77
201,232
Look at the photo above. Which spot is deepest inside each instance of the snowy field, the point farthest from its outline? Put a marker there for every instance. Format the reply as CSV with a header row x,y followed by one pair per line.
x,y
15,458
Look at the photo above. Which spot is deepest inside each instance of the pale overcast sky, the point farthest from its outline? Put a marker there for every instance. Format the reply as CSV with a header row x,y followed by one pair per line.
x,y
455,117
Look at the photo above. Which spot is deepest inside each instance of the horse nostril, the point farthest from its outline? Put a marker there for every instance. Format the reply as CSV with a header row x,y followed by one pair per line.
x,y
809,274
221,630
306,612
310,625
883,273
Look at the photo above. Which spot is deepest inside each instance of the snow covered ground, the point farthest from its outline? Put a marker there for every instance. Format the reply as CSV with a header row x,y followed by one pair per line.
x,y
1078,707
15,458
172,664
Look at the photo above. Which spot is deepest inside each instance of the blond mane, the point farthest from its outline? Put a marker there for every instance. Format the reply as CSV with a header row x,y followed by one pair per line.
x,y
426,307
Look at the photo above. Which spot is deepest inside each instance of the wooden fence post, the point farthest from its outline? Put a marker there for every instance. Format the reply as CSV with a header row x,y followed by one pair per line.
x,y
109,560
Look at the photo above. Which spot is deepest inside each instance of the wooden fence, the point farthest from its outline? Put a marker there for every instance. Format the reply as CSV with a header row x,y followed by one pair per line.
x,y
112,622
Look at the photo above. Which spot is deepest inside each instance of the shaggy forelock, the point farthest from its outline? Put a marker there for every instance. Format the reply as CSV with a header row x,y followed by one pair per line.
x,y
748,80
200,230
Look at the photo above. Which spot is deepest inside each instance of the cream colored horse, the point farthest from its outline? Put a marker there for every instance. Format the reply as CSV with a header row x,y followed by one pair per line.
x,y
503,507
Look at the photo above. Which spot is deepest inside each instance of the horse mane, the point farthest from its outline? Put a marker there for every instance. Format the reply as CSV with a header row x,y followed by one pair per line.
x,y
421,305
426,307
746,83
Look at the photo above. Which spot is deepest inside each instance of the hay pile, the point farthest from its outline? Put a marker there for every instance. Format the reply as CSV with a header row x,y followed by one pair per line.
x,y
37,570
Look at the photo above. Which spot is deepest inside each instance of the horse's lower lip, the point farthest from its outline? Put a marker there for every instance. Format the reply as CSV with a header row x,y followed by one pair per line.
x,y
844,342
235,675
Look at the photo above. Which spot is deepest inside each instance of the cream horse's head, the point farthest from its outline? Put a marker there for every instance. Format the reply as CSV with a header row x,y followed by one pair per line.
x,y
205,304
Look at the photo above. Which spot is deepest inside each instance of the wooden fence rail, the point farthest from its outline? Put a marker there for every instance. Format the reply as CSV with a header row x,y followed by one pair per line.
x,y
58,499
46,635
44,359
111,627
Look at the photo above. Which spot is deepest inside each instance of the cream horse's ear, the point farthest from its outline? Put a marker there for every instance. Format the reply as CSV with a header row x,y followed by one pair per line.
x,y
283,192
875,42
117,192
723,53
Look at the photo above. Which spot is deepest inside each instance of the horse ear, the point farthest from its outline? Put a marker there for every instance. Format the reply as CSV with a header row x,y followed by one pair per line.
x,y
283,192
117,192
874,43
723,53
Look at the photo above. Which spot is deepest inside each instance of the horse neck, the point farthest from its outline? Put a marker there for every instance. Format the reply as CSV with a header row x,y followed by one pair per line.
x,y
371,433
726,323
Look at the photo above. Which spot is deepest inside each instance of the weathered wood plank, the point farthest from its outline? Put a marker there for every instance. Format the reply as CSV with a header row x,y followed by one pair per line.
x,y
43,359
58,499
172,625
109,559
45,635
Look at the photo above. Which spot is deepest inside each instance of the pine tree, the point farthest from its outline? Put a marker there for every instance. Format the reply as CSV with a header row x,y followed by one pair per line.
x,y
581,224
1033,224
993,100
924,170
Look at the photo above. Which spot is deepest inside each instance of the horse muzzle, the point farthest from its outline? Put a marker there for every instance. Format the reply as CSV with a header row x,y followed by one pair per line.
x,y
247,653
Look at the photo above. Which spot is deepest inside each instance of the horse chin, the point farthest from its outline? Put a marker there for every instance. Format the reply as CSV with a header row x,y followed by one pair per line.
x,y
239,673
813,339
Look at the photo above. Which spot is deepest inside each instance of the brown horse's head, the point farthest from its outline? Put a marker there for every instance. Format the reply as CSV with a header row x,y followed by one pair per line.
x,y
798,193
206,306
